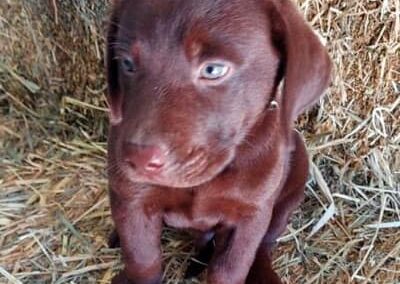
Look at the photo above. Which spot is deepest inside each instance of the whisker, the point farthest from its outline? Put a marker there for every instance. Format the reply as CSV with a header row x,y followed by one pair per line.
x,y
112,23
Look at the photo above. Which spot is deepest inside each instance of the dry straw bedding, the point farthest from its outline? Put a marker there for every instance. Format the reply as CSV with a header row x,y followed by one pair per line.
x,y
54,212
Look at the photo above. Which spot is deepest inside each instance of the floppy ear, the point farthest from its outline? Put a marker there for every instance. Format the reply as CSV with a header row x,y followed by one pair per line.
x,y
114,97
306,65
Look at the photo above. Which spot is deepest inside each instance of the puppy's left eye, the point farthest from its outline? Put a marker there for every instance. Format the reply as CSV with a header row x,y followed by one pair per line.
x,y
128,65
214,71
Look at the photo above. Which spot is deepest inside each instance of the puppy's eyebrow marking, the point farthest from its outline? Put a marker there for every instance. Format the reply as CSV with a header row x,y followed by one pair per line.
x,y
194,49
200,45
135,49
193,43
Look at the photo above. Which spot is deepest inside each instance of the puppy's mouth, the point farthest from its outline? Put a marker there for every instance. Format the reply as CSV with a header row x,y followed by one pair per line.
x,y
196,167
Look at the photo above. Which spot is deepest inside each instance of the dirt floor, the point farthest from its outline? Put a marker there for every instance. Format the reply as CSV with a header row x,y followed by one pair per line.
x,y
54,211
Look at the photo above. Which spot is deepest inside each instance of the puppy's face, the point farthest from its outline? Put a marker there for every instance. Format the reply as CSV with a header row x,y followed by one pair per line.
x,y
189,79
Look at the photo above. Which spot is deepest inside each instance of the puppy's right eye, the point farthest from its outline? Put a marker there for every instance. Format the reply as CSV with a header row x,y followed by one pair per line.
x,y
128,65
214,71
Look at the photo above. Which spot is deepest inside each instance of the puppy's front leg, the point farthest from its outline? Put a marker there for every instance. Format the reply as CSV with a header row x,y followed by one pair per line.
x,y
232,260
139,235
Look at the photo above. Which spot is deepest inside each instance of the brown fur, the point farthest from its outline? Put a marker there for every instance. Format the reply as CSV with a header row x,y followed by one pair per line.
x,y
233,168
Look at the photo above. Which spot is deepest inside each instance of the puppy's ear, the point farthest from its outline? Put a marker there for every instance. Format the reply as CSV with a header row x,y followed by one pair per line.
x,y
114,97
305,63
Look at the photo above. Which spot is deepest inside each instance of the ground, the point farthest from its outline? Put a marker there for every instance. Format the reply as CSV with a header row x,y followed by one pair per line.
x,y
54,211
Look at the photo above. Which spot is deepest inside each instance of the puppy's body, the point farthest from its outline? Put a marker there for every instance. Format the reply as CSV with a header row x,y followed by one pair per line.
x,y
210,150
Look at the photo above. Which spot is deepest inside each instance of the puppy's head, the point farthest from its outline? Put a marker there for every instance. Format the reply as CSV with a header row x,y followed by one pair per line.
x,y
188,80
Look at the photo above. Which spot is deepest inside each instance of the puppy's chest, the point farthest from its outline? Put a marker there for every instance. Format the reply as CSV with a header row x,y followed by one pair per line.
x,y
202,212
224,202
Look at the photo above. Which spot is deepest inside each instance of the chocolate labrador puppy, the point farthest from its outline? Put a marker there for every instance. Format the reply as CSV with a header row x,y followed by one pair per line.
x,y
201,134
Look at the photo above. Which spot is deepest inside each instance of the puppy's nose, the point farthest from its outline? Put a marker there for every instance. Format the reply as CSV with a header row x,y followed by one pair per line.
x,y
145,158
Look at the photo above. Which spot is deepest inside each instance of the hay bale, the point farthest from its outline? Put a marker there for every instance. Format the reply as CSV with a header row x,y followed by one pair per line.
x,y
54,212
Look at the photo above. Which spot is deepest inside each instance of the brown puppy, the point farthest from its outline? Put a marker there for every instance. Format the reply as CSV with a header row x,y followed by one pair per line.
x,y
201,137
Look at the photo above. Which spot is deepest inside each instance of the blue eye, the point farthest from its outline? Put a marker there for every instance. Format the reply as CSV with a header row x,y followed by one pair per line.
x,y
214,71
128,65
